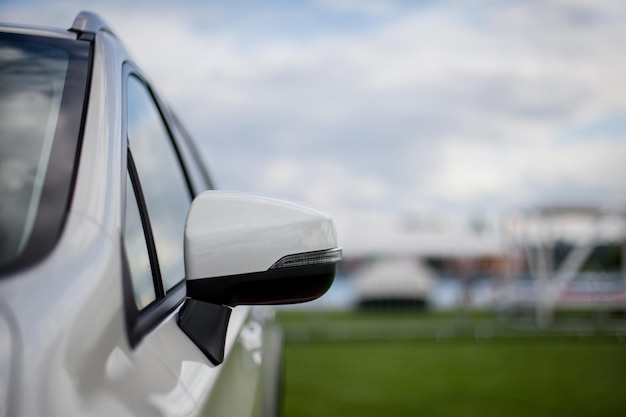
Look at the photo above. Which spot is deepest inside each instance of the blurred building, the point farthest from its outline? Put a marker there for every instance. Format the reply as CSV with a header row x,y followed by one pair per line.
x,y
536,260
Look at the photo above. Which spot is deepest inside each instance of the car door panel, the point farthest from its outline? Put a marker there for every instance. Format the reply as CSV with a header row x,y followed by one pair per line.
x,y
229,389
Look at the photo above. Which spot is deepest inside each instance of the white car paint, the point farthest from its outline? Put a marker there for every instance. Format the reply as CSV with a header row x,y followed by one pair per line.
x,y
222,225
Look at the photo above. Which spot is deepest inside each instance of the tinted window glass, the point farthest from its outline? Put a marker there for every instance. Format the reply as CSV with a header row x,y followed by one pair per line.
x,y
137,252
42,81
163,182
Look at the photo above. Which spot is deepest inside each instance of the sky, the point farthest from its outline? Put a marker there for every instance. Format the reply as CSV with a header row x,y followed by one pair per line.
x,y
389,114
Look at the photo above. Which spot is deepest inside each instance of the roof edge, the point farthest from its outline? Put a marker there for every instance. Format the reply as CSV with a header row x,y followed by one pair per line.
x,y
90,22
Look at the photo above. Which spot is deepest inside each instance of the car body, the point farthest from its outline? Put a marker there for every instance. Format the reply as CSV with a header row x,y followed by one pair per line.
x,y
127,288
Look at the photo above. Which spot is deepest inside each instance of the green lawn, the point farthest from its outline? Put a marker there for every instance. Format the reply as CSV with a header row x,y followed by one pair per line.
x,y
462,376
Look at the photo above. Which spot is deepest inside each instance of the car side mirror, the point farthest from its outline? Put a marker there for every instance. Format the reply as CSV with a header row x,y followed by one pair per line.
x,y
243,249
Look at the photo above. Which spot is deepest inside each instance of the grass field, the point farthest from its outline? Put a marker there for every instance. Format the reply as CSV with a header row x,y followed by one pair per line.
x,y
487,368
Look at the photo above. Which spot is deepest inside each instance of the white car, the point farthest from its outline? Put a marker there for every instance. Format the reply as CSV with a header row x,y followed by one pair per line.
x,y
126,288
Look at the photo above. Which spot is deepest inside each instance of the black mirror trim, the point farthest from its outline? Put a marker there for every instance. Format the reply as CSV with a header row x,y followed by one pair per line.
x,y
275,286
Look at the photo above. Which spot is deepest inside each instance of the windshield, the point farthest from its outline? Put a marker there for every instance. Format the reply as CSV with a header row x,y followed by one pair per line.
x,y
42,84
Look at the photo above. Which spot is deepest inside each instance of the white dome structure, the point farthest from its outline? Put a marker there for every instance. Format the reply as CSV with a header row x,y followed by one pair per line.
x,y
395,282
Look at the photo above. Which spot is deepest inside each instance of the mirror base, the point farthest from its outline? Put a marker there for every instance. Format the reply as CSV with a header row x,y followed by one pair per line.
x,y
206,326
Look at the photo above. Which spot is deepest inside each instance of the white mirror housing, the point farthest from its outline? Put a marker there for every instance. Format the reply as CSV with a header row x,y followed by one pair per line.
x,y
242,249
249,249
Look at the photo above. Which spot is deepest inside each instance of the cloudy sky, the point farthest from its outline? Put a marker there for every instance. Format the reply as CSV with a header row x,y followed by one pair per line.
x,y
384,109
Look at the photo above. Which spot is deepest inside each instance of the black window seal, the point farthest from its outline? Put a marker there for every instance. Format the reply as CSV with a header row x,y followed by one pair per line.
x,y
157,280
193,155
166,123
140,323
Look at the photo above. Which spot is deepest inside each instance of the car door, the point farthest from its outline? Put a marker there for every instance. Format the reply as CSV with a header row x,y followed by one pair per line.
x,y
161,182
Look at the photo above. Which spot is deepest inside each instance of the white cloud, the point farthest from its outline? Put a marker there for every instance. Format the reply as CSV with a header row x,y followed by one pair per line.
x,y
443,105
496,176
373,7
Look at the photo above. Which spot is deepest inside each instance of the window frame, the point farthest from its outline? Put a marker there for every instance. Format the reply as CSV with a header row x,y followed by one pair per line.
x,y
155,270
139,323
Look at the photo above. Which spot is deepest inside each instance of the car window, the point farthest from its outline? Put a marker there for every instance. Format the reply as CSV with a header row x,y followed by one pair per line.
x,y
163,182
136,247
42,85
33,85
